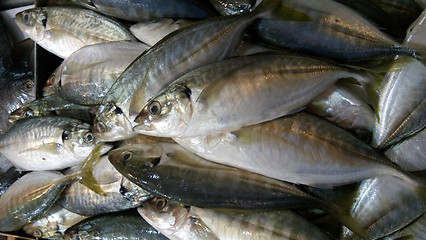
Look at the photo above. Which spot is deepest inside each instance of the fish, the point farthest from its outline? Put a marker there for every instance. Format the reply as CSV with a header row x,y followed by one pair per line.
x,y
15,93
369,10
344,108
29,197
53,223
333,30
153,31
120,193
174,220
210,99
48,143
279,224
409,153
113,226
416,33
385,205
8,174
63,30
143,10
214,40
53,105
170,171
86,75
402,104
232,7
415,230
300,148
402,12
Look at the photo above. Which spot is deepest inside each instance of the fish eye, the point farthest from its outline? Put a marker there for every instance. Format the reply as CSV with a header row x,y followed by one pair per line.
x,y
29,113
118,111
88,137
127,155
26,17
28,85
160,203
38,233
65,135
101,127
155,108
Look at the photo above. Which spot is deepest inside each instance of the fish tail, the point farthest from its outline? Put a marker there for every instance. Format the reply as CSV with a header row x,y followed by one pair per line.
x,y
346,219
85,174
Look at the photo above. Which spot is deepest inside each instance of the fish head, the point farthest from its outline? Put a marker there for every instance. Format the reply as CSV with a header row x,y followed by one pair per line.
x,y
49,230
166,216
83,230
53,83
33,22
80,141
112,124
138,157
21,91
166,115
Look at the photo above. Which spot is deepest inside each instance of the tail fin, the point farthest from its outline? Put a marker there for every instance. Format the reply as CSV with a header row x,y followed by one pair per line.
x,y
85,174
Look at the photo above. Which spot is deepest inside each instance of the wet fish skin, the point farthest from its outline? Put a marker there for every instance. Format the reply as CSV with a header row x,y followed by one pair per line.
x,y
300,148
53,223
29,197
409,153
283,224
344,108
397,206
335,31
142,10
416,230
214,40
110,226
48,143
193,105
232,7
53,105
15,93
8,174
159,169
63,30
120,193
153,31
175,220
86,75
402,104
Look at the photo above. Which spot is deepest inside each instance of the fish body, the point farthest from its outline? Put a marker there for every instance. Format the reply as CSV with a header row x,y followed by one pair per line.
x,y
402,104
120,193
48,143
332,30
63,30
113,226
300,148
143,10
8,174
251,225
344,108
385,205
53,105
29,197
220,97
409,154
153,31
86,75
170,171
199,44
53,223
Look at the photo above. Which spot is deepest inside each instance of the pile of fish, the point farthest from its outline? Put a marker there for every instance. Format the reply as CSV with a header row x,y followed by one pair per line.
x,y
220,119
